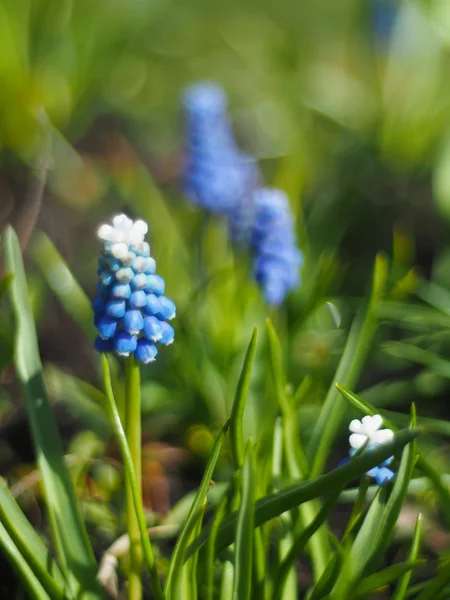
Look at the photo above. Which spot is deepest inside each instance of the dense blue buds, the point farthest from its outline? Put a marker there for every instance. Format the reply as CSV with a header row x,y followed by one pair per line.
x,y
130,311
222,179
276,258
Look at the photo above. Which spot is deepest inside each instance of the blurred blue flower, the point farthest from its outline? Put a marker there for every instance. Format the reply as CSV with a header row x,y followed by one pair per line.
x,y
218,175
130,311
276,258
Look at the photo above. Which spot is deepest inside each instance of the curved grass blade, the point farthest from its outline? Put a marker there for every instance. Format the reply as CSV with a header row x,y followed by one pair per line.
x,y
236,434
62,282
373,582
178,555
324,586
128,463
31,583
299,544
30,544
242,584
402,585
274,505
72,544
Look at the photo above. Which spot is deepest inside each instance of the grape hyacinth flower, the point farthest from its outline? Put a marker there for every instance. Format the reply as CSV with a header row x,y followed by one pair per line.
x,y
276,258
218,176
130,308
367,433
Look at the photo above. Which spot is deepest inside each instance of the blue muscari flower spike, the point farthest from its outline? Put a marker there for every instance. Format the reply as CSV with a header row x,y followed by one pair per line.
x,y
130,311
276,258
217,175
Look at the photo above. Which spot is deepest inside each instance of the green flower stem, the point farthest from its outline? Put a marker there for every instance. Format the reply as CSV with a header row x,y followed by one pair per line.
x,y
133,396
133,435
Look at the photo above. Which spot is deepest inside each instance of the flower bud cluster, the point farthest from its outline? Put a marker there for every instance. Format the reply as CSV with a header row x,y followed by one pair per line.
x,y
130,308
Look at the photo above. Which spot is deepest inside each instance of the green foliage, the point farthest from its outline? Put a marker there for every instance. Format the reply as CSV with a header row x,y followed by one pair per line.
x,y
355,128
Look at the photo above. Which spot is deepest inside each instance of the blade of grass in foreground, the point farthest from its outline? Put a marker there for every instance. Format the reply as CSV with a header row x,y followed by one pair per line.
x,y
178,555
244,532
30,544
71,542
274,505
236,435
27,577
403,583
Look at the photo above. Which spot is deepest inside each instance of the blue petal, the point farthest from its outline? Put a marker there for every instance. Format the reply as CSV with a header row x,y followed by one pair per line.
x,y
98,305
168,334
167,310
153,305
155,285
115,308
124,275
125,343
107,327
121,290
102,345
137,299
150,267
133,321
145,351
139,281
152,329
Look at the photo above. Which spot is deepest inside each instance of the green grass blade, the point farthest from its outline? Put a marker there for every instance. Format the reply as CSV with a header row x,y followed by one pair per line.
x,y
295,458
274,505
436,585
325,584
31,583
211,544
243,564
348,372
236,434
373,582
226,588
178,555
30,544
402,585
298,546
62,282
72,544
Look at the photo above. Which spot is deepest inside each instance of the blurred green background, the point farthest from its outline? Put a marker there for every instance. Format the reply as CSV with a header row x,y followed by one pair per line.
x,y
346,105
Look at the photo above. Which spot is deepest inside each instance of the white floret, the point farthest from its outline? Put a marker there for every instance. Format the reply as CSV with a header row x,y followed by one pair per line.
x,y
367,431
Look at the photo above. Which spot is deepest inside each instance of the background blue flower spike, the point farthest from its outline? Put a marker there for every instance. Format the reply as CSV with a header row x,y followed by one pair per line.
x,y
217,174
130,311
276,258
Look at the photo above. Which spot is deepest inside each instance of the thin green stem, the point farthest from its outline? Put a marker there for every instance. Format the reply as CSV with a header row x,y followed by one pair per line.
x,y
133,435
132,380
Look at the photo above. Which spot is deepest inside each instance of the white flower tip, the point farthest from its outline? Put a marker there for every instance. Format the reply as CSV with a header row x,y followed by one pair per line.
x,y
357,440
119,250
140,227
104,232
383,436
355,426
